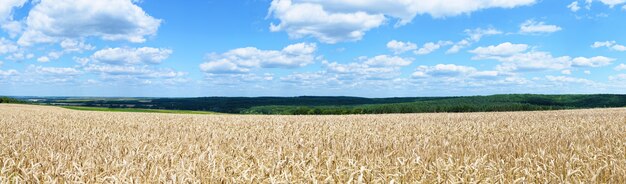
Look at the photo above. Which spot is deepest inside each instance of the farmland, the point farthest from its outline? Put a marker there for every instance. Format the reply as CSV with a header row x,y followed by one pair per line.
x,y
53,144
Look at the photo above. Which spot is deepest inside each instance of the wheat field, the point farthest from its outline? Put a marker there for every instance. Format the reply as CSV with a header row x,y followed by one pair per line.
x,y
41,144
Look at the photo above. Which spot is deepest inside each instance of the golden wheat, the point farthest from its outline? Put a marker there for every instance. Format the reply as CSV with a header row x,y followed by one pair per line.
x,y
53,145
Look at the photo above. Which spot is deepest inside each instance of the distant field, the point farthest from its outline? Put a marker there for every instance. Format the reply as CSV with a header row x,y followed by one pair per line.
x,y
136,110
43,144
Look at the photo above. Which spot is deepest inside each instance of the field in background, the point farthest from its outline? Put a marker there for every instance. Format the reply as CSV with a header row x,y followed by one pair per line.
x,y
47,144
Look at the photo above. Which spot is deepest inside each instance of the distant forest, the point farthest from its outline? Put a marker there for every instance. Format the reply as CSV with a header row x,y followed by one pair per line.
x,y
349,105
9,100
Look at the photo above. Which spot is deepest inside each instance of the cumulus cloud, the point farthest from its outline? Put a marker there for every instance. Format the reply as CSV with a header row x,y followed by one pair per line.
x,y
6,46
223,66
452,70
7,73
131,65
474,35
56,70
43,59
243,60
375,68
574,6
70,45
52,21
620,67
430,47
613,3
609,44
137,71
443,76
532,27
309,79
7,7
387,61
533,61
618,77
20,56
597,61
306,19
33,74
515,58
506,48
398,47
347,20
130,56
566,72
564,79
6,16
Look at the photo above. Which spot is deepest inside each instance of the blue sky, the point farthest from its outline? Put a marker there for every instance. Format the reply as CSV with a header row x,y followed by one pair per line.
x,y
370,48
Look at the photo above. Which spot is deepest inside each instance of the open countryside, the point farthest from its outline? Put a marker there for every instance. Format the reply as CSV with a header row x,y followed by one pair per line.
x,y
53,144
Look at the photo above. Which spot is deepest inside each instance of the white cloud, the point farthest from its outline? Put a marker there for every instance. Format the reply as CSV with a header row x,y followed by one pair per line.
x,y
305,19
56,71
532,26
70,45
7,6
134,71
453,71
474,35
432,47
375,68
503,49
7,73
308,79
348,20
129,56
618,77
613,3
360,71
478,33
534,61
39,74
458,46
81,61
13,28
443,76
242,60
444,70
574,6
20,56
609,44
587,72
597,61
387,61
610,3
514,58
566,72
564,79
52,21
223,66
6,46
620,67
398,47
1,63
43,59
588,4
